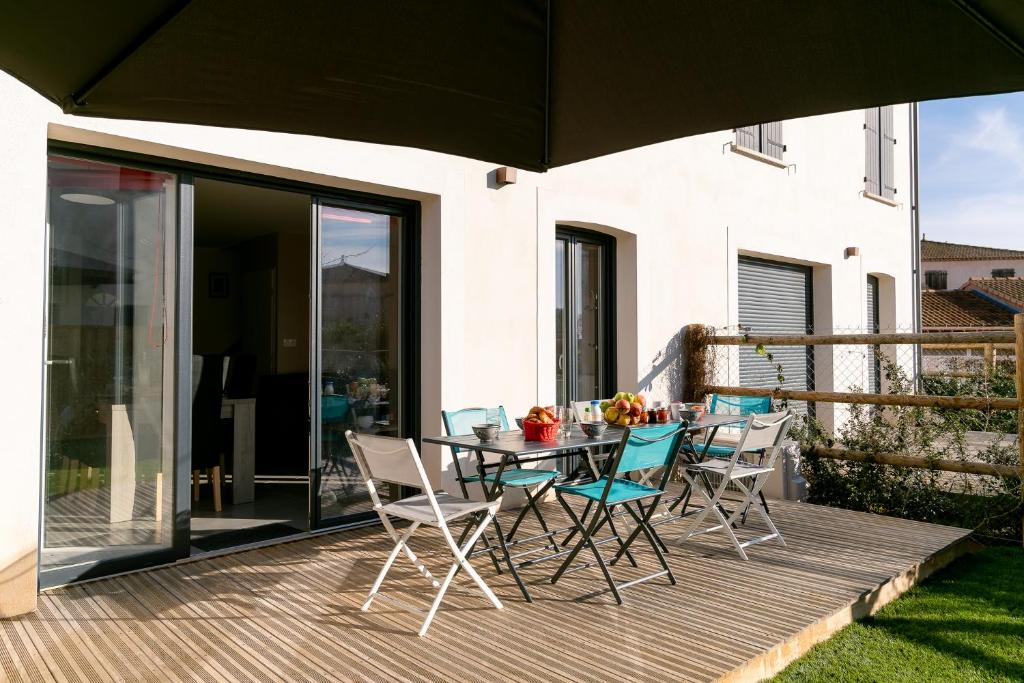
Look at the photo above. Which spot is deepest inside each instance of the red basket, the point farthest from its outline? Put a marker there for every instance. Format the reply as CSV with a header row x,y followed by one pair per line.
x,y
541,431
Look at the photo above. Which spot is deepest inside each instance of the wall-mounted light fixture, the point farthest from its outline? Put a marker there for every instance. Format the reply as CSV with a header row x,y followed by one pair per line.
x,y
506,175
852,251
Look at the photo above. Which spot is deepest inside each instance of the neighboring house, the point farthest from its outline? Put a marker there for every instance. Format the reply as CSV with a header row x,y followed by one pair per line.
x,y
946,265
416,272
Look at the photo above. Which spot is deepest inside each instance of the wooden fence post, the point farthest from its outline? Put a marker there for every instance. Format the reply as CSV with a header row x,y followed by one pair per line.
x,y
1018,349
990,359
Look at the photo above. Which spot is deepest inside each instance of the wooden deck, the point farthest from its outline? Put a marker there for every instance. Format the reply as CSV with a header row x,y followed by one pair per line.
x,y
290,612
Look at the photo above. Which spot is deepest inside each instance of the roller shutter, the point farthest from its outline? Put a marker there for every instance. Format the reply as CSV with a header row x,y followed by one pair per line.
x,y
775,298
874,383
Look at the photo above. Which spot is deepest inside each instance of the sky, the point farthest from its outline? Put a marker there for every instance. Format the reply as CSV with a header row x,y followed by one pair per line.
x,y
356,237
972,170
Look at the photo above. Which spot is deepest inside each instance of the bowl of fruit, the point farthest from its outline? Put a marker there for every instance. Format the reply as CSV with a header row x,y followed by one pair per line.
x,y
540,425
625,410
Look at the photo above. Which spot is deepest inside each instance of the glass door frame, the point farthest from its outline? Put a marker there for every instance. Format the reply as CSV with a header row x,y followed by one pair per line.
x,y
409,334
180,324
574,236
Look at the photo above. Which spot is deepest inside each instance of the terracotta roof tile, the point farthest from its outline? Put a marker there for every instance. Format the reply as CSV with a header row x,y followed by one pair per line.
x,y
1009,290
959,308
948,251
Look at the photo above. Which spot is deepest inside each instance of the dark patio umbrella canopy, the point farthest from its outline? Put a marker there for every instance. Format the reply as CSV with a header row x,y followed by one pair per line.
x,y
528,83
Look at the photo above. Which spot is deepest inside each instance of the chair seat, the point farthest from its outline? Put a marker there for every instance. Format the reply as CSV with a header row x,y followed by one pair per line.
x,y
417,508
519,477
621,491
714,450
741,470
723,445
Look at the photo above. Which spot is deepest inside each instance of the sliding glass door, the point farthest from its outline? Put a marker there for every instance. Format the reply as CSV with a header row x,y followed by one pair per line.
x,y
109,386
584,315
362,355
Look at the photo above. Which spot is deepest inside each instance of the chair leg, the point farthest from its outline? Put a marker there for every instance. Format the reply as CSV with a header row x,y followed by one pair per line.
x,y
420,567
215,482
195,485
387,565
644,524
588,539
531,504
583,518
460,562
623,548
578,524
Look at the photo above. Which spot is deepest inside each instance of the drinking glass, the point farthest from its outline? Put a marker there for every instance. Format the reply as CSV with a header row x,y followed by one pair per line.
x,y
564,414
492,417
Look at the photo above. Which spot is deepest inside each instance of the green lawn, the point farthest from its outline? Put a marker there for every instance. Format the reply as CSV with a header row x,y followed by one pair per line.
x,y
966,623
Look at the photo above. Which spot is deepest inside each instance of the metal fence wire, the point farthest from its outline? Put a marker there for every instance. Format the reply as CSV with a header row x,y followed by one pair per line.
x,y
961,369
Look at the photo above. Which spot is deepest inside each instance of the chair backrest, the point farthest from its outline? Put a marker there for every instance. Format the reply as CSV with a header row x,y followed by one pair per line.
x,y
648,447
764,432
207,394
387,458
460,422
739,405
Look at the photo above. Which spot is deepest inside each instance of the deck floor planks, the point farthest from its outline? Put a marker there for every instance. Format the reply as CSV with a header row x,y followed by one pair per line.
x,y
290,612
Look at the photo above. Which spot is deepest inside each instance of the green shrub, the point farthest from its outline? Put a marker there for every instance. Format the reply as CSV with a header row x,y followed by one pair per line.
x,y
989,505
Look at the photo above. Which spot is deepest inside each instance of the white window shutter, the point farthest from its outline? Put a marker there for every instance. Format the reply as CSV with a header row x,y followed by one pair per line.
x,y
772,137
872,165
748,137
887,152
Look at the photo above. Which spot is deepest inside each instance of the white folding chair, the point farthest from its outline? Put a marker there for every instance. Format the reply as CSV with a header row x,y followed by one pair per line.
x,y
762,432
396,461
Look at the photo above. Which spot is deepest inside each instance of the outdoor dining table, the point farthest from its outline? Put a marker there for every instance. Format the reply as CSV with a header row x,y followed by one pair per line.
x,y
512,447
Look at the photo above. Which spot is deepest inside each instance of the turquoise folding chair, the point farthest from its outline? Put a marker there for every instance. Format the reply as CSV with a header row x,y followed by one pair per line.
x,y
460,422
643,448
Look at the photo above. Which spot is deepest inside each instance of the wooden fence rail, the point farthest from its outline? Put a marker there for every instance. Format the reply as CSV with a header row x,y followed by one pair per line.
x,y
988,340
916,461
920,401
995,337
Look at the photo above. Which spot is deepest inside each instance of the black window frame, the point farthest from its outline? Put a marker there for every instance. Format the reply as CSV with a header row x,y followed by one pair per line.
x,y
1004,272
580,235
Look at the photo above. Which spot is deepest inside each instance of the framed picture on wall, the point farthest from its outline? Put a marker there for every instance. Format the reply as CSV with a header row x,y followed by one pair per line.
x,y
219,285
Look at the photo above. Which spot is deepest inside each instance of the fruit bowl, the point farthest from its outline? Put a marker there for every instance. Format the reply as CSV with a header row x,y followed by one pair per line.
x,y
625,410
541,431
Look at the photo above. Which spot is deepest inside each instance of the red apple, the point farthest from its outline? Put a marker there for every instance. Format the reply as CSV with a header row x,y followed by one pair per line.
x,y
636,409
622,405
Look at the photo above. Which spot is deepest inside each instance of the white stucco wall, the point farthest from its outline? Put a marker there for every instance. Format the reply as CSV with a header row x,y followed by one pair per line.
x,y
681,212
22,288
959,272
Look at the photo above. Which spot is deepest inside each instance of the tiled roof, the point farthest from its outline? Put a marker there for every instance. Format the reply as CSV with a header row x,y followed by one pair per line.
x,y
1009,290
960,308
947,251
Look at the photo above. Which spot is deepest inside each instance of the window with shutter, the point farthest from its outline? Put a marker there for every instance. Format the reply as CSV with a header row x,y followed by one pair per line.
x,y
764,138
935,279
880,152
